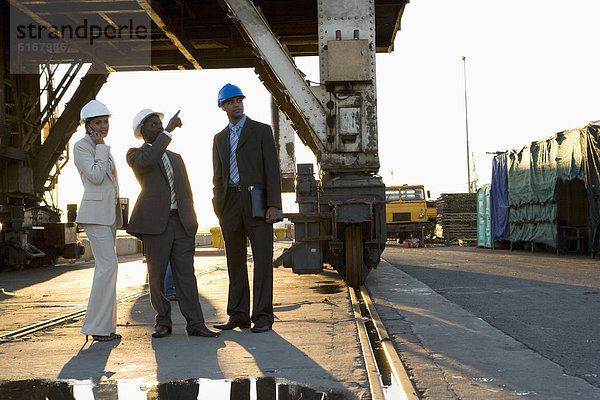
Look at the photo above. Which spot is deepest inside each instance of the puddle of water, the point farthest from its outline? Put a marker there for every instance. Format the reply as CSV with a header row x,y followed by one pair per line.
x,y
483,379
217,389
328,289
523,393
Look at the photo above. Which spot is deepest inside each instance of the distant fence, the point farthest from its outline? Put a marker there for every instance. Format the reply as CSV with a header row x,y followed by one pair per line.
x,y
129,245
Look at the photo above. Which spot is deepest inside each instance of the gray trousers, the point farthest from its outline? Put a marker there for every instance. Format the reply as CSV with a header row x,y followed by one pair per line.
x,y
176,246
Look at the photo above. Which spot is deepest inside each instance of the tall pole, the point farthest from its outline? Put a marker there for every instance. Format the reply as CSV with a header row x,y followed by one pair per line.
x,y
467,126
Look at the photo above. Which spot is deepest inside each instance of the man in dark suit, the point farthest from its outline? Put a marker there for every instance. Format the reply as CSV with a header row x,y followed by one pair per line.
x,y
244,155
164,218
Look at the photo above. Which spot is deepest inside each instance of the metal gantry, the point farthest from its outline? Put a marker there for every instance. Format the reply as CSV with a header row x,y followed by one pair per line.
x,y
337,120
341,220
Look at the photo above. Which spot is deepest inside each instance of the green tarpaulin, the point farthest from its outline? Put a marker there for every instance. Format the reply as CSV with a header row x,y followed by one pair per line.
x,y
534,176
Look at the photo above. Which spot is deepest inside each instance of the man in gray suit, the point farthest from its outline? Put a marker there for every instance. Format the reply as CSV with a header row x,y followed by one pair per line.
x,y
244,155
164,218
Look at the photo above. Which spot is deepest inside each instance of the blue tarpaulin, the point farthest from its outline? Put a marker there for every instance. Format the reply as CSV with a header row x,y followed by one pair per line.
x,y
499,198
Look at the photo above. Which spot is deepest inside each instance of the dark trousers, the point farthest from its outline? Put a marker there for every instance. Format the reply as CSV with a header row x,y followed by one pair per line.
x,y
176,246
237,225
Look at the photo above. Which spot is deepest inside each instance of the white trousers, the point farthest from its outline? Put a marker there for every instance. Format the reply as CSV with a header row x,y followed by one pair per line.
x,y
101,314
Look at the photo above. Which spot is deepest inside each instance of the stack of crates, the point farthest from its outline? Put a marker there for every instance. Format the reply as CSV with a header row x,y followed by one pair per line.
x,y
457,216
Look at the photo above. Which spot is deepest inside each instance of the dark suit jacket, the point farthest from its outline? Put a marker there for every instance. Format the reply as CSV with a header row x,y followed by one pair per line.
x,y
257,161
151,211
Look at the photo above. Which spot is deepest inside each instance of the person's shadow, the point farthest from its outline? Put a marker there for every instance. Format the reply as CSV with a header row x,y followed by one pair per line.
x,y
188,366
182,361
90,362
279,362
179,356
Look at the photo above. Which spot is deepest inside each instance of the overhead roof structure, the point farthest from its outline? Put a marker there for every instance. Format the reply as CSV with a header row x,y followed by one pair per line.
x,y
195,34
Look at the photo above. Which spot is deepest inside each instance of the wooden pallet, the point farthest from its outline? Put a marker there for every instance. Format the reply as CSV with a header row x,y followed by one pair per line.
x,y
457,215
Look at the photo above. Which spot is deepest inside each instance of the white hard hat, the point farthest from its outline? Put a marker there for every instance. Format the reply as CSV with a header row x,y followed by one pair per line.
x,y
139,118
93,109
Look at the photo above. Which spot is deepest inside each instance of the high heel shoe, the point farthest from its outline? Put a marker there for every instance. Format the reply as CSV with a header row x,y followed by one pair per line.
x,y
104,338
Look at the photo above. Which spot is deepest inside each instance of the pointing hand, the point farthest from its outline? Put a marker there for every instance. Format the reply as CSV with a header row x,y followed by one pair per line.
x,y
174,122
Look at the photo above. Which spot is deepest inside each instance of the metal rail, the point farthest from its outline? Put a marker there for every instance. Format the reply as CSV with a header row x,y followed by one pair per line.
x,y
38,326
379,353
371,365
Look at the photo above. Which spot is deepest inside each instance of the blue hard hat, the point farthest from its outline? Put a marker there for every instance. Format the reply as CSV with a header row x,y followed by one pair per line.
x,y
229,91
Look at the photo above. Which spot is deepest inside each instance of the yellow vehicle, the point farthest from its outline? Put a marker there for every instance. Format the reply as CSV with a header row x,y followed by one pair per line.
x,y
408,214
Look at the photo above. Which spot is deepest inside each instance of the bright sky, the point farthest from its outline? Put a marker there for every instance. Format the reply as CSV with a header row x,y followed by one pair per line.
x,y
533,69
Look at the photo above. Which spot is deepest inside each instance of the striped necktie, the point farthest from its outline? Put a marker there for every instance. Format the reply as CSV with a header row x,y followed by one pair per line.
x,y
234,175
170,177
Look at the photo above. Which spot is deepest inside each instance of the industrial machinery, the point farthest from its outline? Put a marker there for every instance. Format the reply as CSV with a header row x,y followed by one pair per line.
x,y
342,212
408,213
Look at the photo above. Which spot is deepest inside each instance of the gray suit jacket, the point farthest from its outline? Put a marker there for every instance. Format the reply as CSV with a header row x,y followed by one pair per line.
x,y
257,160
151,211
99,204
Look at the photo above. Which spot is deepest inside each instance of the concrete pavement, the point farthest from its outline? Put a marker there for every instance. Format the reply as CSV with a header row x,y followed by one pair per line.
x,y
454,354
314,342
451,352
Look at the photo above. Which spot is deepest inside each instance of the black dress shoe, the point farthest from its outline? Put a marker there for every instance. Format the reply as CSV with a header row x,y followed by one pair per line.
x,y
161,331
232,325
260,327
202,330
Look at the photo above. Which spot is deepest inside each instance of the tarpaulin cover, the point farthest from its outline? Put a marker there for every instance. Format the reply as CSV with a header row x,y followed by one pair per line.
x,y
533,177
499,198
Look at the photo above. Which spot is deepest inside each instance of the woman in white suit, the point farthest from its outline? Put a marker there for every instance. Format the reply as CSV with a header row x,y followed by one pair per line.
x,y
100,216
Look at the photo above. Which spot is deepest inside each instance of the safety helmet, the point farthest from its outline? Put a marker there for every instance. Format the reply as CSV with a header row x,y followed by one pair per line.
x,y
229,91
93,109
139,119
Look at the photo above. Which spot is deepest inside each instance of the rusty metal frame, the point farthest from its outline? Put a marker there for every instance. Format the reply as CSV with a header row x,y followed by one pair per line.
x,y
280,74
66,125
27,11
183,45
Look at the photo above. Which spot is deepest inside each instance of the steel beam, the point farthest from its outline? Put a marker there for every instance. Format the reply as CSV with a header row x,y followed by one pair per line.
x,y
183,45
284,140
51,28
281,76
389,40
337,120
347,43
4,56
65,126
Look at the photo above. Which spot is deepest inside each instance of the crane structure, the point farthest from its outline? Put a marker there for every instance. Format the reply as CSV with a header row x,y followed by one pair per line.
x,y
46,43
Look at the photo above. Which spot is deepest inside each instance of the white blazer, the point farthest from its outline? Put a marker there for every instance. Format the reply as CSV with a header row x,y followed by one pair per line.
x,y
100,202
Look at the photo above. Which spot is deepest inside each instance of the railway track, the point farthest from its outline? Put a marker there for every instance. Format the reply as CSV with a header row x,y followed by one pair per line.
x,y
388,379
